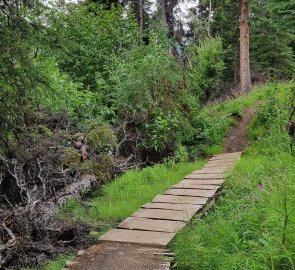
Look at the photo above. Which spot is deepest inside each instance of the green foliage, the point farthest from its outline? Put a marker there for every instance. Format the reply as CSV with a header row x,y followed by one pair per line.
x,y
61,94
253,221
205,66
89,35
150,75
271,35
102,139
226,26
102,167
18,74
160,131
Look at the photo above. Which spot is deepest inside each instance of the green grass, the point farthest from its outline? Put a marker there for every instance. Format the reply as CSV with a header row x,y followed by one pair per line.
x,y
56,264
252,224
120,198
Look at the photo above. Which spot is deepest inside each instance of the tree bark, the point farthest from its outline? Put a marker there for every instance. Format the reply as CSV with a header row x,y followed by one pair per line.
x,y
163,12
209,18
141,21
245,76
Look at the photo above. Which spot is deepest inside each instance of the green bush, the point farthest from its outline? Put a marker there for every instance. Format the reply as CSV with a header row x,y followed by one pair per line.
x,y
102,139
205,67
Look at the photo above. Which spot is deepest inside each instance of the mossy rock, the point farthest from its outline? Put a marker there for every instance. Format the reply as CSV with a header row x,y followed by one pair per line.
x,y
102,139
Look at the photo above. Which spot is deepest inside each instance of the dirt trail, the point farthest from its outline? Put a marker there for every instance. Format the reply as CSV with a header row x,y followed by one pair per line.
x,y
237,139
116,256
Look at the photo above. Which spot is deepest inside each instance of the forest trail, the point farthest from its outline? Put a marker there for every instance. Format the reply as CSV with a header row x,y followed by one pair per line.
x,y
140,242
236,139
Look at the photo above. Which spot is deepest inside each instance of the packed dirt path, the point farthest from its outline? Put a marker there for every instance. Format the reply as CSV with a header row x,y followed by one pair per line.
x,y
237,137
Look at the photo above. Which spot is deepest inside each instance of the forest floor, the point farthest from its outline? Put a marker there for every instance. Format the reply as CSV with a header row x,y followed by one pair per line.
x,y
124,256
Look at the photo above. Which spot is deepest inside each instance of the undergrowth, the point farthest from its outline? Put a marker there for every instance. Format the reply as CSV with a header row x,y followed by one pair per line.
x,y
252,224
219,117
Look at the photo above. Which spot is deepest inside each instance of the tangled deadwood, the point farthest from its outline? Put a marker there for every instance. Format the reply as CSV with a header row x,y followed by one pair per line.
x,y
45,167
128,153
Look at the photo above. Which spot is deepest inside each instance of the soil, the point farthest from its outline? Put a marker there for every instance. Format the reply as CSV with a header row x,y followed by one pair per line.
x,y
117,256
237,139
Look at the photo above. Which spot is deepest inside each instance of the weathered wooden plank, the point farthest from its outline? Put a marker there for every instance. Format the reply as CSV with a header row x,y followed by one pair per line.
x,y
191,192
205,176
213,170
180,199
173,206
157,225
149,238
165,214
200,184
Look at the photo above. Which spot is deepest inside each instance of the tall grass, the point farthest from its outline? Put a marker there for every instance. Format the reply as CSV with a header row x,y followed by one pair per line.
x,y
252,225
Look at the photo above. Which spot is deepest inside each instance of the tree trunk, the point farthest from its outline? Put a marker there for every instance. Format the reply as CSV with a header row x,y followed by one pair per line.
x,y
209,18
245,76
141,22
236,64
163,12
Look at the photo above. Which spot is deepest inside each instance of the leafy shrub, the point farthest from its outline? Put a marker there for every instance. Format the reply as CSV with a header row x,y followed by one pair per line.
x,y
89,35
61,94
205,66
159,131
102,139
145,78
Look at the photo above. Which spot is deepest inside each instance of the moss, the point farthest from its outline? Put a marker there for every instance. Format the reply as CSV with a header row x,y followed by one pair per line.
x,y
72,158
102,139
102,168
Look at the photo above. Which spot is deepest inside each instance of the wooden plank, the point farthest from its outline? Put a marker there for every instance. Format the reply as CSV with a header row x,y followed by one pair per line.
x,y
145,224
193,184
180,199
165,214
214,182
173,206
212,164
205,176
213,170
191,192
146,238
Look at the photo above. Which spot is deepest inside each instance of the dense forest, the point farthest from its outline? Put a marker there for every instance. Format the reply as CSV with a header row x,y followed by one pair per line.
x,y
92,89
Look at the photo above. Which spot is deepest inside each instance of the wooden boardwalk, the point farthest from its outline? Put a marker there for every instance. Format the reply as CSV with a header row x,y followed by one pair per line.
x,y
156,223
